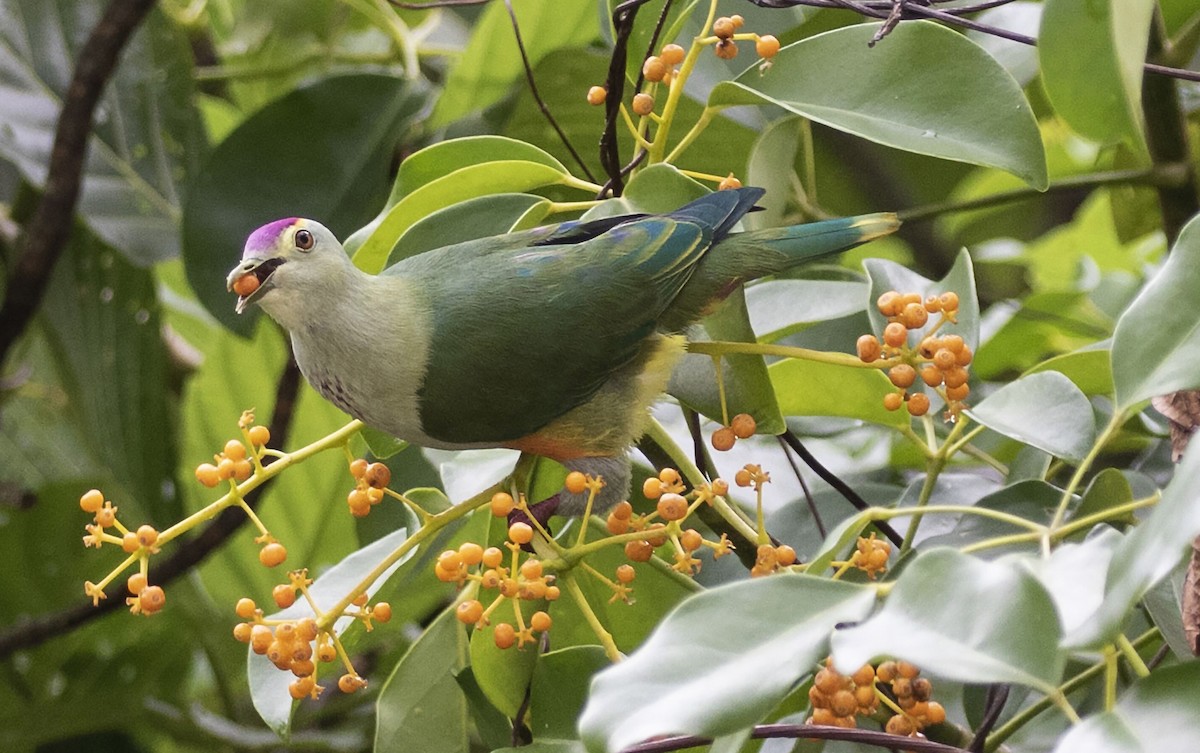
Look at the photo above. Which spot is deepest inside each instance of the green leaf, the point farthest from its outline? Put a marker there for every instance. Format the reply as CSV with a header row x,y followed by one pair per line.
x,y
1090,369
1147,553
469,220
929,90
1107,489
1046,324
503,674
721,661
776,147
1031,500
147,138
1156,346
439,160
320,151
814,388
1074,576
268,685
779,308
1044,410
560,687
1091,54
420,706
491,63
382,445
1158,712
941,615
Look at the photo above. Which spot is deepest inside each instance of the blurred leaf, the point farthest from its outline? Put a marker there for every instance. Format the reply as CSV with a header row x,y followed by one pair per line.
x,y
929,90
1074,576
1031,500
320,151
1044,410
1023,17
941,615
721,661
1058,259
1156,346
814,388
1091,53
1041,326
1107,489
1158,712
560,687
268,685
382,445
546,746
1147,553
147,138
1090,369
421,706
775,147
491,63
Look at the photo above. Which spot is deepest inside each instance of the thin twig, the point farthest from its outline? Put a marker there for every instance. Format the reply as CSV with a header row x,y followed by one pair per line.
x,y
38,630
804,732
997,696
610,154
808,497
50,227
841,486
537,96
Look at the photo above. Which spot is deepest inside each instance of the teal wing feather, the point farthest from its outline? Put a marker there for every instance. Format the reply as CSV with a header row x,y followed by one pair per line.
x,y
524,335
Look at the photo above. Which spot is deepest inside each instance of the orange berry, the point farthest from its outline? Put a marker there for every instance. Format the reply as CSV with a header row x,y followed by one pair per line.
x,y
727,49
302,687
918,404
235,450
130,543
931,375
723,439
944,359
272,554
933,304
306,630
895,334
596,95
720,487
949,301
576,482
672,507
767,46
152,599
502,504
378,476
729,182
382,612
531,569
504,635
326,652
616,526
207,475
260,436
890,303
785,555
672,54
225,469
743,425
900,725
246,285
471,553
540,622
492,557
724,27
843,703
929,346
956,377
868,348
147,535
358,500
936,713
241,632
908,298
622,510
520,533
643,104
914,315
626,573
902,375
886,672
351,683
260,639
136,583
639,551
245,608
893,400
91,501
449,560
654,69
284,595
652,488
907,670
552,593
358,468
242,470
656,536
953,343
691,540
958,393
865,675
743,478
469,612
964,356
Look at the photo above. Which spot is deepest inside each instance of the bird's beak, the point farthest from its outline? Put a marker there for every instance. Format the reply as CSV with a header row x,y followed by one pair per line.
x,y
262,269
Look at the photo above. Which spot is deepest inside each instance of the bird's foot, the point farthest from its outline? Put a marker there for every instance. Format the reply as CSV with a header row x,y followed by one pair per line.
x,y
540,511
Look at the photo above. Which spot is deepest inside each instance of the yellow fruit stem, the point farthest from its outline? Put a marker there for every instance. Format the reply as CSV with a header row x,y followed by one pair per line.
x,y
587,514
605,637
727,347
1114,425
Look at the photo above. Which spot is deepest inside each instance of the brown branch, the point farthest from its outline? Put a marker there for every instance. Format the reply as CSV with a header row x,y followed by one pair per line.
x,y
50,227
805,732
38,630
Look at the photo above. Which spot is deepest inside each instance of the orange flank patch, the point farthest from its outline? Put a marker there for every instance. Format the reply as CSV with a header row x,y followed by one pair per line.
x,y
547,447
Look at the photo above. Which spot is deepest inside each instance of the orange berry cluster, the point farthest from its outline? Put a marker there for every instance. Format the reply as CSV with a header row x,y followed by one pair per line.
x,y
230,463
742,426
838,699
725,30
871,555
666,490
520,581
770,558
291,645
912,693
146,599
371,479
940,362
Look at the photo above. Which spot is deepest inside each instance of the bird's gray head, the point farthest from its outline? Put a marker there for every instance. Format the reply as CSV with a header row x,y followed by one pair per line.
x,y
290,267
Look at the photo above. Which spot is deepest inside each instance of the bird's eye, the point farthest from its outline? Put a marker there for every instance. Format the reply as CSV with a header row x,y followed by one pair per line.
x,y
304,240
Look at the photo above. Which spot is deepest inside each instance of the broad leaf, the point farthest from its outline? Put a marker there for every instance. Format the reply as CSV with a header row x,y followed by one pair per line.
x,y
721,661
1044,410
1090,369
560,688
941,615
1091,54
1074,576
928,90
815,388
1158,713
469,220
780,307
1156,346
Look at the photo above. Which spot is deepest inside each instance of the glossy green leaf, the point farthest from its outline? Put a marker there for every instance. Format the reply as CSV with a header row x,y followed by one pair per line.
x,y
1044,410
814,388
1156,346
421,706
505,176
929,90
503,675
560,687
147,139
268,685
382,445
780,307
775,147
439,160
1158,712
1091,54
320,151
721,661
1089,369
1074,576
492,63
941,615
1107,489
1147,553
469,220
1031,500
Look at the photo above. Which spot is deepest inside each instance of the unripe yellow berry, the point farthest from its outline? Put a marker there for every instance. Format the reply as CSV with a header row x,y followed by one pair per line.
x,y
152,599
672,54
91,501
893,400
767,46
596,95
245,608
654,69
643,104
504,635
540,622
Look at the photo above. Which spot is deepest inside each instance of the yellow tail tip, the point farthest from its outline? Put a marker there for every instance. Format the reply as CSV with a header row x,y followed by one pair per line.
x,y
877,225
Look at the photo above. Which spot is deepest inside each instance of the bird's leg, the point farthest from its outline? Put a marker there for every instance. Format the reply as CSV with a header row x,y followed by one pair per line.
x,y
614,470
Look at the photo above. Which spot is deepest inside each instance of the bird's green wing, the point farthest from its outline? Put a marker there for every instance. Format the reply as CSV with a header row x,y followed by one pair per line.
x,y
521,336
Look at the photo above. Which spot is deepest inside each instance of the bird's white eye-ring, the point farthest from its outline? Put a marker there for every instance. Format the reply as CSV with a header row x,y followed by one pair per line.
x,y
304,240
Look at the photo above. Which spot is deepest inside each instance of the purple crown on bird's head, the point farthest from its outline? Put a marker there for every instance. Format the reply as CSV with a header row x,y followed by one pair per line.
x,y
264,238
